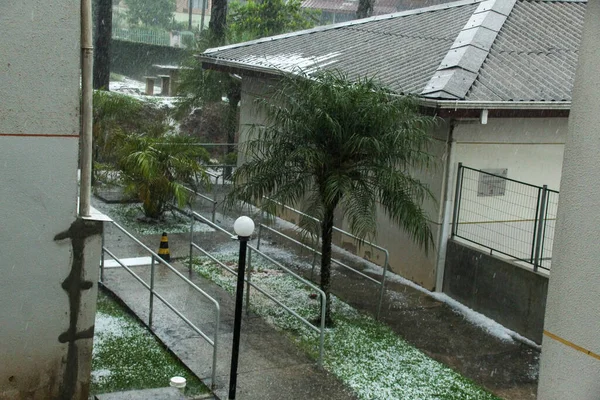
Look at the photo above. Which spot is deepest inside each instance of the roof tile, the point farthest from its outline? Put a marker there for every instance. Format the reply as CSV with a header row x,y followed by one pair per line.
x,y
445,52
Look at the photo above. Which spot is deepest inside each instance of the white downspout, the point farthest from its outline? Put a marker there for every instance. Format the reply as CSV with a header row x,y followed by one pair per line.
x,y
447,212
85,186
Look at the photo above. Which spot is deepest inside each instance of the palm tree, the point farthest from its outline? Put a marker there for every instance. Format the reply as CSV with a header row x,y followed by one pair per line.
x,y
335,144
157,168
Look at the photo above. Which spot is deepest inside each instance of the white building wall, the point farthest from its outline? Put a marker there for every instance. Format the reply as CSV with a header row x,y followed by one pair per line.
x,y
39,128
570,363
407,258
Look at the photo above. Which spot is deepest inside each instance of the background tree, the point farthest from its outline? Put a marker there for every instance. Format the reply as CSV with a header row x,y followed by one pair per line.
x,y
217,27
152,13
334,144
102,38
365,8
247,21
256,19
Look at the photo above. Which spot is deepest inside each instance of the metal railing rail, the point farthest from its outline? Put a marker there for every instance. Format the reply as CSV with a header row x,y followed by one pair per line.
x,y
202,196
155,257
335,261
321,330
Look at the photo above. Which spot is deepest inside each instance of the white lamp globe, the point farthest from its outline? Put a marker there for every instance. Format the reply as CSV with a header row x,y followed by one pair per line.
x,y
243,226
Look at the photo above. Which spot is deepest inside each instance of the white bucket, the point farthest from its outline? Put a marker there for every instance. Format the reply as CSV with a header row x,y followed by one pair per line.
x,y
178,382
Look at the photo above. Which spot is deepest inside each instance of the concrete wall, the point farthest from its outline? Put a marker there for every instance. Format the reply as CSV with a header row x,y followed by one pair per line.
x,y
531,148
508,293
570,364
46,338
406,258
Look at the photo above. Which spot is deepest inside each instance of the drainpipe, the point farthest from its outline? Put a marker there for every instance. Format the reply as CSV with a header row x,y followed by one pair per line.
x,y
85,186
446,211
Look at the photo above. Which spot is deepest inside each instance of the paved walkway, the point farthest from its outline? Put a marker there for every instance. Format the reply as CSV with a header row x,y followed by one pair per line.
x,y
270,366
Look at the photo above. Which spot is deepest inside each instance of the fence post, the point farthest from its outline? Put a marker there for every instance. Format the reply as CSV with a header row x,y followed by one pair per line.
x,y
102,255
535,226
248,277
314,259
260,222
191,240
151,307
540,217
457,197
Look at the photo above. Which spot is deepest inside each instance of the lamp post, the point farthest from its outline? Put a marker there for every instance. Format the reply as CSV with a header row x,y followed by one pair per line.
x,y
243,227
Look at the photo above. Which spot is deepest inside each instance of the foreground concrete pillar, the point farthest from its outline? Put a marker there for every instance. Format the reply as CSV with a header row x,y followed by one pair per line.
x,y
570,366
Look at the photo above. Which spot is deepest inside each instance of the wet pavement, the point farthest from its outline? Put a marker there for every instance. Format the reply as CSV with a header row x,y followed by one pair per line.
x,y
271,367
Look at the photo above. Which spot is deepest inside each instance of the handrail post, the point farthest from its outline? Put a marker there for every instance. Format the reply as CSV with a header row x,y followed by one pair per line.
x,y
102,255
457,197
213,375
191,241
214,211
260,222
538,241
248,278
151,306
314,260
322,336
382,290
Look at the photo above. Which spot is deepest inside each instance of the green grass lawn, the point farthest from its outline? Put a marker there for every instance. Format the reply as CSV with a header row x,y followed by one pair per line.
x,y
127,356
365,354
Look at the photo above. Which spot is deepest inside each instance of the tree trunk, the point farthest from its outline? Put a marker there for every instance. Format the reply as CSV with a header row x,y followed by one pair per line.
x,y
102,44
326,238
234,95
365,8
218,21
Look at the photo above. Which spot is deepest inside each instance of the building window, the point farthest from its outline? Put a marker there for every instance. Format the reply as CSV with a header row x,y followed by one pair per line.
x,y
492,185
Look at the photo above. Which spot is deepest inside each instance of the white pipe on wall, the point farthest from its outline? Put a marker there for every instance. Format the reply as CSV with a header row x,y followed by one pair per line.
x,y
85,187
446,212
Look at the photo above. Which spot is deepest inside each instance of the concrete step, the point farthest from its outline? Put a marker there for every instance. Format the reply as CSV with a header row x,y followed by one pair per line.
x,y
167,393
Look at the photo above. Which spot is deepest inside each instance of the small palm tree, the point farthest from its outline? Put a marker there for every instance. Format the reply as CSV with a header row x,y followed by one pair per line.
x,y
156,169
331,143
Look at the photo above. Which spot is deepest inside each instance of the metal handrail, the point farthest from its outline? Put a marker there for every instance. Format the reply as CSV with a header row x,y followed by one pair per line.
x,y
194,215
213,201
155,257
316,252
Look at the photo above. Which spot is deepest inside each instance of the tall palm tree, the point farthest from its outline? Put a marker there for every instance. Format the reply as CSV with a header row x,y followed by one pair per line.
x,y
331,143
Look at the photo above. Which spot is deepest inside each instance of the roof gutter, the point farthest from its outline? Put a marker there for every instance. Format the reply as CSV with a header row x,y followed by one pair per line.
x,y
236,67
494,105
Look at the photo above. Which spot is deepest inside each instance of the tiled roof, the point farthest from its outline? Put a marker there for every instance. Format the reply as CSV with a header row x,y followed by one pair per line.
x,y
492,50
535,54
